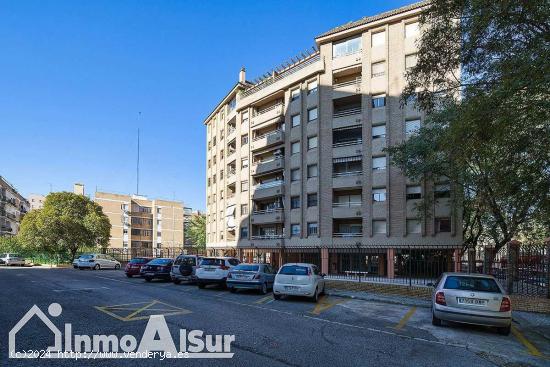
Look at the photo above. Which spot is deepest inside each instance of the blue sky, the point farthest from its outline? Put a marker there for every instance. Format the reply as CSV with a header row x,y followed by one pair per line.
x,y
75,75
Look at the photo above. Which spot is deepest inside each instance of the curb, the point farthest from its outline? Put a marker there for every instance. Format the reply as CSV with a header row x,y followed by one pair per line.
x,y
376,299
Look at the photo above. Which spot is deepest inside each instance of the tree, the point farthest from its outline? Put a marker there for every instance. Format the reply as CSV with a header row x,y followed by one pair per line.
x,y
67,223
197,230
487,128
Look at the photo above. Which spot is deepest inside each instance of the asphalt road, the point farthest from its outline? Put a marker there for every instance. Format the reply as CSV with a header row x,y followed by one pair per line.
x,y
290,332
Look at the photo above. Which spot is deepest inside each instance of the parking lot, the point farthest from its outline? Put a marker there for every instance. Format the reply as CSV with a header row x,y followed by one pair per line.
x,y
290,332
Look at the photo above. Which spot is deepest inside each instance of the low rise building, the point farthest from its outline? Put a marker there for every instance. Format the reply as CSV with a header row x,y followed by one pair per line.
x,y
13,206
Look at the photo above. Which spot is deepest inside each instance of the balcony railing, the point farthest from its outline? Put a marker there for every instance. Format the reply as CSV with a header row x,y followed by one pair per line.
x,y
267,211
274,132
267,237
347,84
348,173
231,130
350,204
270,108
268,185
347,112
347,234
348,143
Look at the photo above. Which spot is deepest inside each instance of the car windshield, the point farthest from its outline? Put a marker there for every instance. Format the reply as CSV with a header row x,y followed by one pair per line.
x,y
84,257
160,261
472,284
294,270
212,262
139,260
245,267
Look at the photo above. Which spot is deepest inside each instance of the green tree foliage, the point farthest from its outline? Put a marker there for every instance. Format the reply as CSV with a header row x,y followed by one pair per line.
x,y
66,224
483,78
197,230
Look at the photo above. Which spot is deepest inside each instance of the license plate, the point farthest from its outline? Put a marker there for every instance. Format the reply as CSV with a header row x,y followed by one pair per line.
x,y
290,287
471,301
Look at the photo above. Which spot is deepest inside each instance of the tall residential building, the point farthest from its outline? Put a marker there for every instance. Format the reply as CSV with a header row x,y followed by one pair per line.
x,y
36,201
140,223
296,167
13,206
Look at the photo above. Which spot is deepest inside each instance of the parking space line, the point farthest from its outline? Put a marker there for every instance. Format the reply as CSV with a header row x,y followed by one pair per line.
x,y
139,307
325,304
526,343
405,318
264,300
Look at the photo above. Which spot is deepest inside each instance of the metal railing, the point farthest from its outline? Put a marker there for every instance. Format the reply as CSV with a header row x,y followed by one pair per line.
x,y
267,211
347,234
347,112
350,204
270,108
274,132
347,173
356,82
348,143
268,185
267,237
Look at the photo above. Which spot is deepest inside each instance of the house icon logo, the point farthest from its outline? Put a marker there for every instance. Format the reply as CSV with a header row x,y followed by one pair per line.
x,y
54,310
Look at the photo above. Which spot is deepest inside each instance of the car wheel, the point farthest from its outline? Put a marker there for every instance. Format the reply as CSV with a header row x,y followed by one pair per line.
x,y
177,281
435,320
504,330
276,296
117,266
200,285
97,267
264,288
315,297
148,279
129,275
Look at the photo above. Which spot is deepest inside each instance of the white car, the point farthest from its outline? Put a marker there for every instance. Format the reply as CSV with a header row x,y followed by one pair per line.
x,y
214,270
97,261
12,259
299,279
80,258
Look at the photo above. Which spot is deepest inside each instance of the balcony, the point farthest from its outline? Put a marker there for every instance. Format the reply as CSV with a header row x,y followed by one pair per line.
x,y
267,114
347,234
268,237
267,190
347,210
341,181
265,140
268,216
266,166
346,88
231,177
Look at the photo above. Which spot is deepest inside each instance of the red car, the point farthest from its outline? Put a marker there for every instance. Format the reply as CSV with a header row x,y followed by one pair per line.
x,y
134,266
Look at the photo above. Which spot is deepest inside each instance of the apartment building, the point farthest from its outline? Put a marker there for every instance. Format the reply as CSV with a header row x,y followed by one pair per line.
x,y
13,207
296,168
139,223
36,201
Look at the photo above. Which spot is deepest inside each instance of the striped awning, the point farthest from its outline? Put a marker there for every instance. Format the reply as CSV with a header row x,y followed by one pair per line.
x,y
348,128
356,158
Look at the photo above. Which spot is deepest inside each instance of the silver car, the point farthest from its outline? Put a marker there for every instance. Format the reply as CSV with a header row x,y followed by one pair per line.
x,y
12,259
471,299
251,276
184,267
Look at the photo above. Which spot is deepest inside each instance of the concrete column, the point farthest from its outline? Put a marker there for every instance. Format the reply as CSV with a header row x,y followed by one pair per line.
x,y
511,267
324,260
390,253
488,259
457,261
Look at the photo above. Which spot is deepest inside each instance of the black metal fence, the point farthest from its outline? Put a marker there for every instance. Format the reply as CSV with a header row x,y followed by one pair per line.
x,y
124,255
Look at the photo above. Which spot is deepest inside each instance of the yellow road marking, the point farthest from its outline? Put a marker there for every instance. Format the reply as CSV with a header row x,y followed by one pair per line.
x,y
325,304
264,299
139,307
139,310
526,343
405,318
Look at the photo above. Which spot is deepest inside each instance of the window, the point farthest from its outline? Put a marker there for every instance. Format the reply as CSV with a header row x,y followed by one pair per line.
x,y
295,174
312,228
244,232
410,61
244,162
312,114
379,195
295,94
378,39
414,192
295,147
312,142
442,191
411,30
294,230
244,139
379,226
411,127
346,47
442,225
312,171
294,202
244,209
232,104
414,226
245,118
379,131
244,186
311,200
378,69
378,163
378,100
295,120
312,87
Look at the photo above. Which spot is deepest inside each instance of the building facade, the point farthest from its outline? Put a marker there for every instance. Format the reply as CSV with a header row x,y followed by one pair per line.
x,y
36,201
296,167
13,207
138,223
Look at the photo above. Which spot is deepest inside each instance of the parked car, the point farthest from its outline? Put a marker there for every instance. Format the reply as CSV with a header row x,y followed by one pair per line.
x,y
214,270
251,276
299,279
471,299
184,268
75,261
157,268
12,259
134,266
97,262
